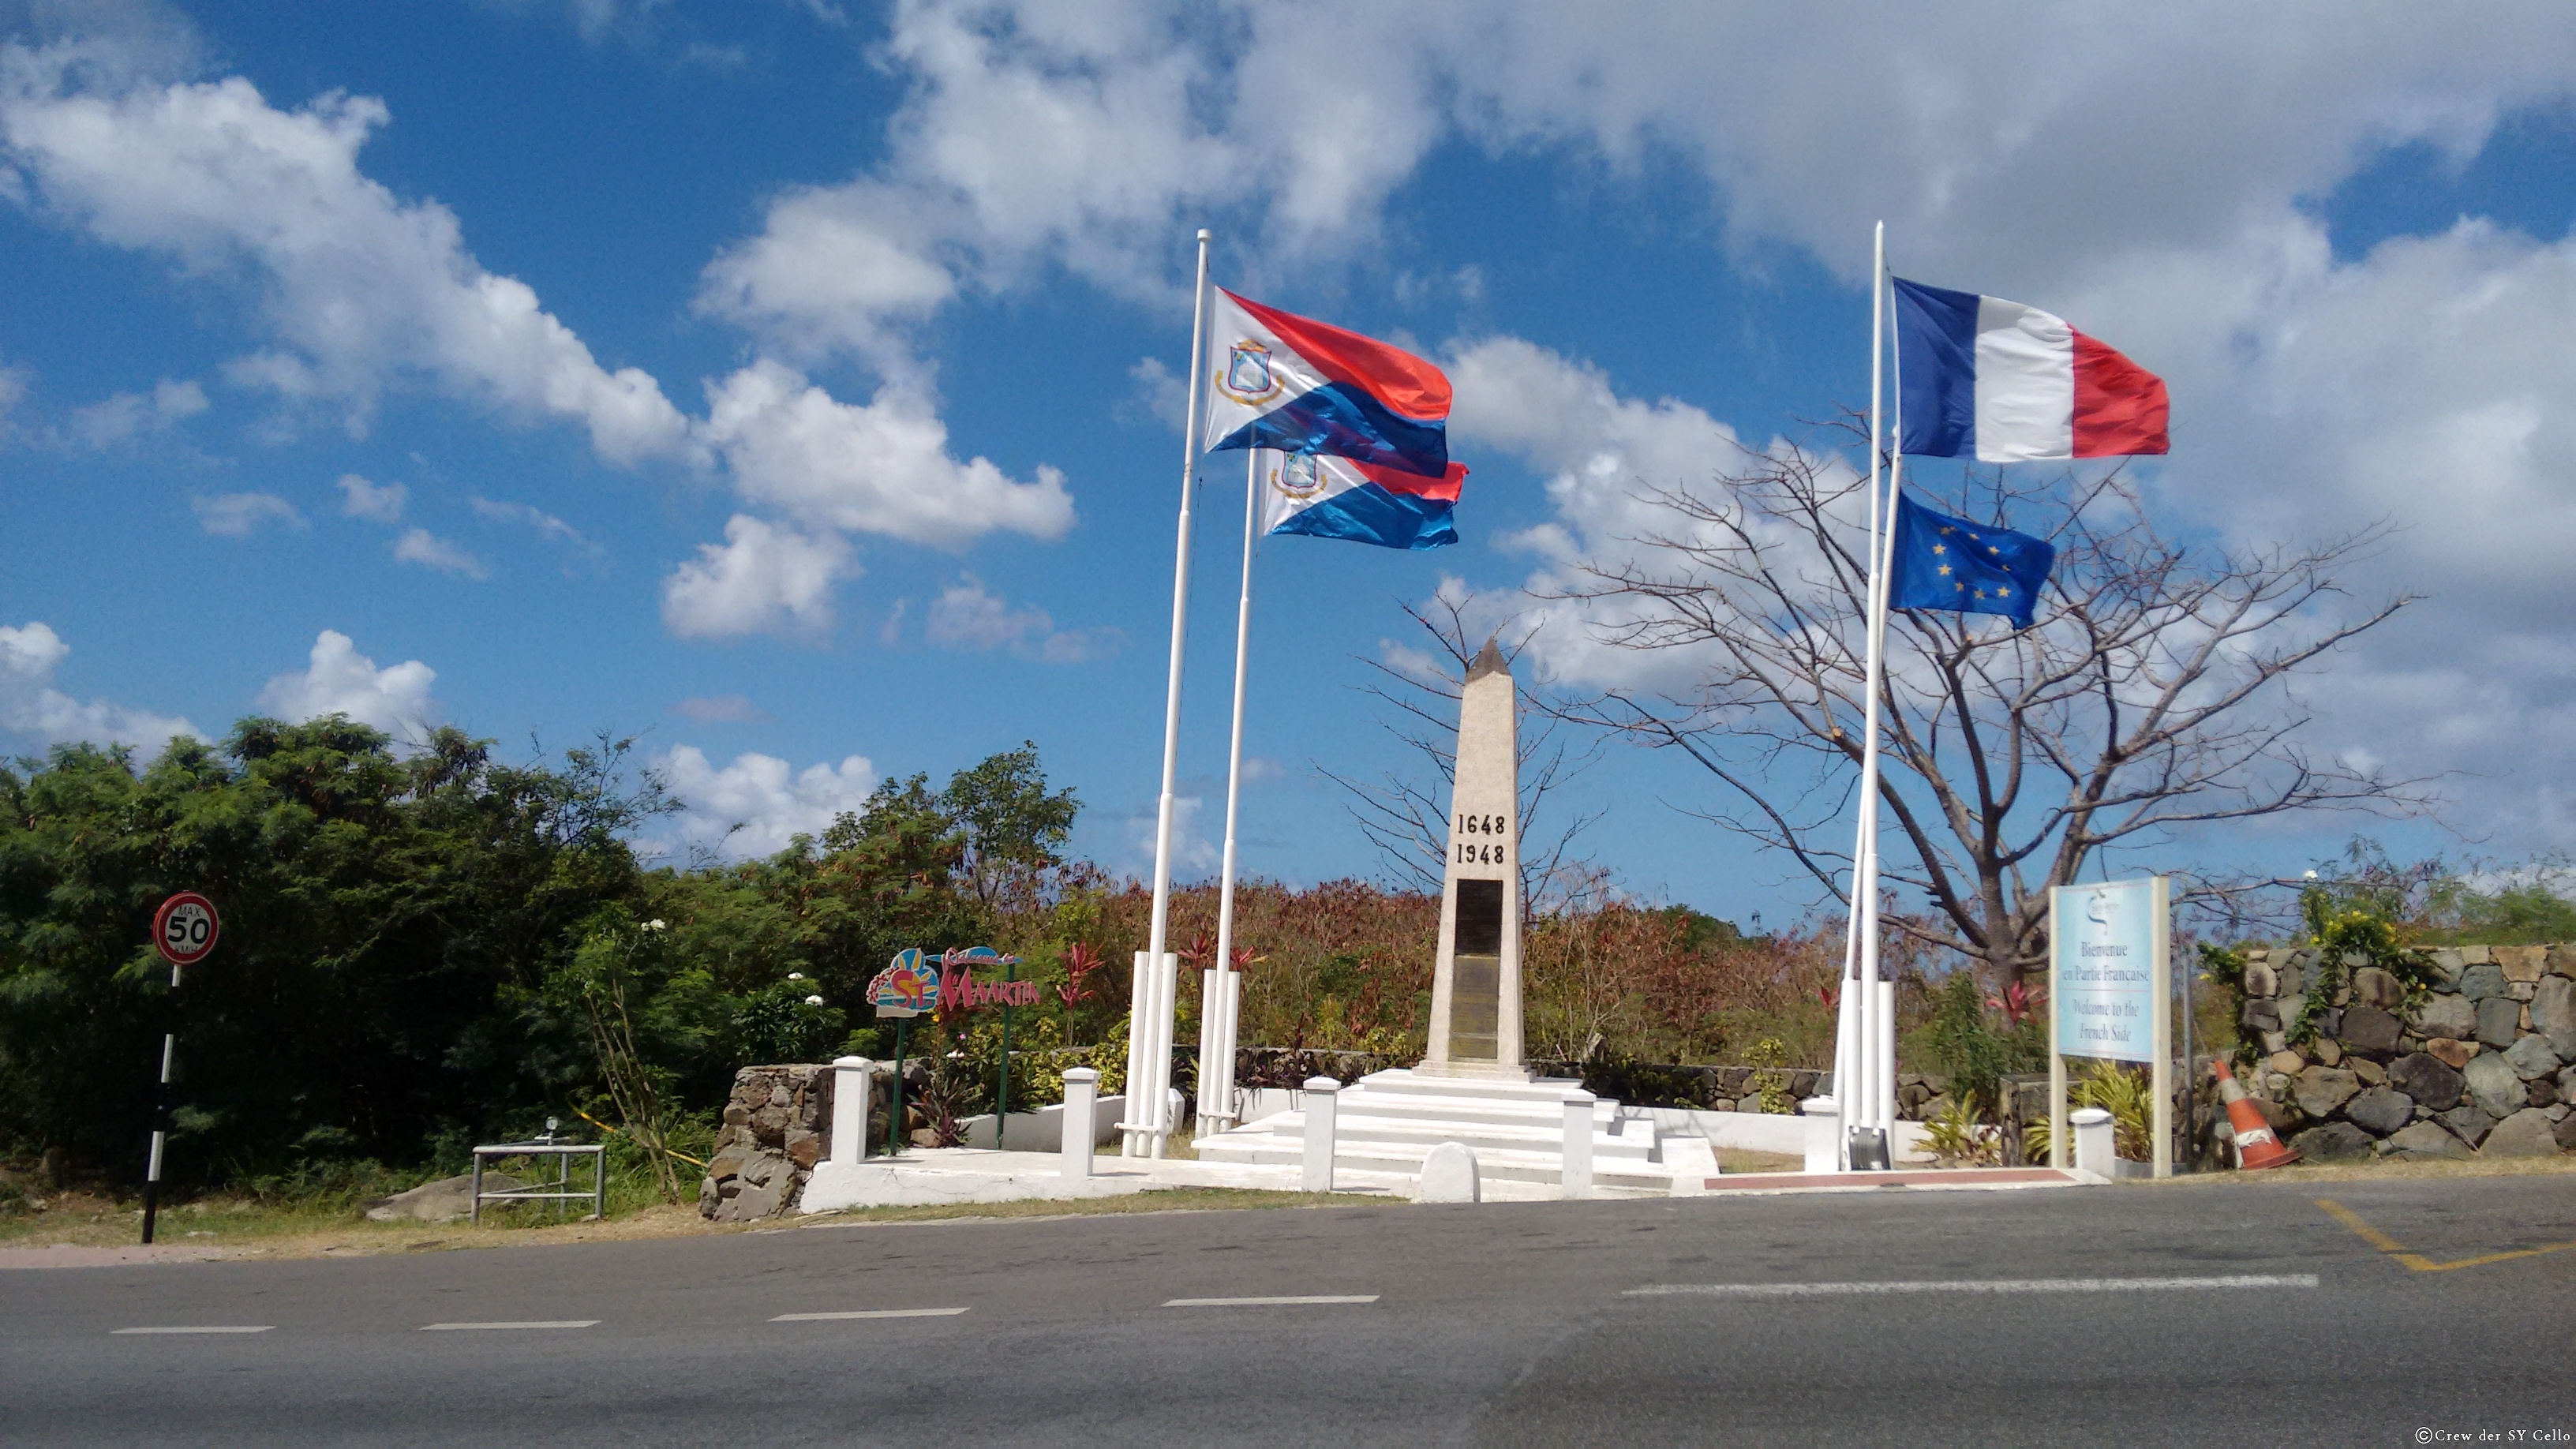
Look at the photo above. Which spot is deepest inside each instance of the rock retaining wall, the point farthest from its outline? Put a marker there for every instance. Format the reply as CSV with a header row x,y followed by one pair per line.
x,y
2485,1064
778,1124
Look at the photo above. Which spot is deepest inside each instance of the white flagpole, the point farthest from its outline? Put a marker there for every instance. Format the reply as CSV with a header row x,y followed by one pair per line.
x,y
1218,996
1146,1129
1885,1045
1858,1005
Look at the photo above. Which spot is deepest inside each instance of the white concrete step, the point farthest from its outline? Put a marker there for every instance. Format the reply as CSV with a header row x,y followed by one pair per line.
x,y
1628,1179
1482,1135
1428,1107
1549,1090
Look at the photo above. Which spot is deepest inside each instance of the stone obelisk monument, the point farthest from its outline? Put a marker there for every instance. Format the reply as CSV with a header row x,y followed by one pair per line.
x,y
1476,988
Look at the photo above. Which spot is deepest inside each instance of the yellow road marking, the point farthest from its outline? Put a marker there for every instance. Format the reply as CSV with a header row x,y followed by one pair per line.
x,y
2417,1261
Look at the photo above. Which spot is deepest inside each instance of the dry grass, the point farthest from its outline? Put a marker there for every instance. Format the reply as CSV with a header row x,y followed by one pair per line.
x,y
239,1231
2374,1171
1745,1159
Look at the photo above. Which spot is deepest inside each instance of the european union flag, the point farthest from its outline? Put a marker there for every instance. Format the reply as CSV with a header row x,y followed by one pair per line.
x,y
1950,563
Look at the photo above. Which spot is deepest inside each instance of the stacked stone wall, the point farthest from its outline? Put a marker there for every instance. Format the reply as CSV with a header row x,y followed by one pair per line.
x,y
778,1124
2483,1065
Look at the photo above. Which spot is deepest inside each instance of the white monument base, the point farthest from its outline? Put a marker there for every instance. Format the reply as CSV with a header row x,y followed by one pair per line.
x,y
1388,1122
1475,1071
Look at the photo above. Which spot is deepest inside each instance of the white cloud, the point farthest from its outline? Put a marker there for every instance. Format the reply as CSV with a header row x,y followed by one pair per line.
x,y
720,709
968,616
882,467
546,524
339,680
550,528
850,267
126,415
361,290
755,805
762,579
358,288
31,708
239,515
1602,455
377,502
1193,853
420,546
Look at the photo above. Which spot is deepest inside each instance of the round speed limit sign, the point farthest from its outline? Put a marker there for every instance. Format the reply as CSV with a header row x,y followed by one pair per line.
x,y
184,928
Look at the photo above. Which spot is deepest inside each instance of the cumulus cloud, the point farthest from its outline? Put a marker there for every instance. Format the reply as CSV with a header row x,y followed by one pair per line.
x,y
337,679
128,415
757,804
1192,849
882,467
720,709
375,502
762,579
834,267
420,546
834,468
358,288
968,616
32,709
239,515
1602,454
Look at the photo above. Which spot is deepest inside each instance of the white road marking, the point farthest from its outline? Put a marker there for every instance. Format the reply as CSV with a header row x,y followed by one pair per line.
x,y
870,1313
531,1323
205,1328
1270,1302
1976,1285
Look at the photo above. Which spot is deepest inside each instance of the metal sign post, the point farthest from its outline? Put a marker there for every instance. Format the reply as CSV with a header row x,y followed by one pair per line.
x,y
184,932
907,987
2110,996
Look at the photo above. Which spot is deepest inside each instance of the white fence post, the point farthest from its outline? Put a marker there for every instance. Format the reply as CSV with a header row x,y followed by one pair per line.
x,y
1081,1086
1824,1134
1575,1176
850,1108
2095,1149
1322,1095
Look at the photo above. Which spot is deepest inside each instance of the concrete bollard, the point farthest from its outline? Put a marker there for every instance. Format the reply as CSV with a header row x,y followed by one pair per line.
x,y
1322,1095
850,1083
1575,1178
1081,1088
1824,1134
2095,1148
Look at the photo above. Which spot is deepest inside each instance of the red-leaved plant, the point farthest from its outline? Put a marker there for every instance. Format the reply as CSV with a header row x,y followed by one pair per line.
x,y
2019,1003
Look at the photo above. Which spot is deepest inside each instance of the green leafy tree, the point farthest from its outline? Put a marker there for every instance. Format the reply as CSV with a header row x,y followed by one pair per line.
x,y
1011,827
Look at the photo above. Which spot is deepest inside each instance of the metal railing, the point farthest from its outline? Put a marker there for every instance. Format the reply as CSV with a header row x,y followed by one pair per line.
x,y
560,1190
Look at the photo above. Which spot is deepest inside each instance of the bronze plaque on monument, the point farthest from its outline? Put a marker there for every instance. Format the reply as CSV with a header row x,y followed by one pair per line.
x,y
1475,983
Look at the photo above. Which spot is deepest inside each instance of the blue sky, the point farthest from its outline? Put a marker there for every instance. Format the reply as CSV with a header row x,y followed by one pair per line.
x,y
790,381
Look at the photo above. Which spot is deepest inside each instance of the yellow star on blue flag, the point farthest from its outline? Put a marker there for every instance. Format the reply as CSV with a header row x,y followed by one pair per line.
x,y
1975,568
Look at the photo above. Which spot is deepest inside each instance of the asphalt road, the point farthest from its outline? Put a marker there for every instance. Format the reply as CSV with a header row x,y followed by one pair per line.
x,y
1493,1324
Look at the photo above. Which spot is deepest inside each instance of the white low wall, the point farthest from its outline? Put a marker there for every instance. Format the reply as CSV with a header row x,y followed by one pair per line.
x,y
1043,1129
1255,1103
1760,1131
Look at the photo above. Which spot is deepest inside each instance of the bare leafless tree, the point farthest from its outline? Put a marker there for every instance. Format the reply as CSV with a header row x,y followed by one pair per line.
x,y
2151,695
1406,815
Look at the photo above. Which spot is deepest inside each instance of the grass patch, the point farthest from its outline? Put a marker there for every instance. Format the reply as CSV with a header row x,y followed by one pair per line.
x,y
2379,1170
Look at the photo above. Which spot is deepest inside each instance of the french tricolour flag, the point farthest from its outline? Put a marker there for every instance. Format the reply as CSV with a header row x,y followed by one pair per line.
x,y
2005,383
1296,385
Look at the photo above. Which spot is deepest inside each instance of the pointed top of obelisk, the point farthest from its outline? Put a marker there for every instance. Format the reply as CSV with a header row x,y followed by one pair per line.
x,y
1488,660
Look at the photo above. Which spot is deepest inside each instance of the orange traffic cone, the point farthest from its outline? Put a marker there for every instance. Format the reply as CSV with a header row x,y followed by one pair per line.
x,y
2256,1145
